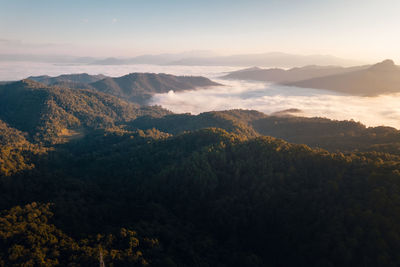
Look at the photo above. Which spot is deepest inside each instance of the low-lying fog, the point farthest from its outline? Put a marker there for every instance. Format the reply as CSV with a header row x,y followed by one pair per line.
x,y
267,98
270,98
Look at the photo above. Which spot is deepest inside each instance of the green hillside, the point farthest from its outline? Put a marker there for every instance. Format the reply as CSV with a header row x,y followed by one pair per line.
x,y
333,135
48,113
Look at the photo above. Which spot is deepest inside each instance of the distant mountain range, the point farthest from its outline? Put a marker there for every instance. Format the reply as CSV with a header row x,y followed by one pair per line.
x,y
277,75
201,58
161,59
134,87
367,80
276,59
67,78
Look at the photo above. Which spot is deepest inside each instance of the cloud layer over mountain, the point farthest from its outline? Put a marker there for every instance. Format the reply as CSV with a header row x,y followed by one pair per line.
x,y
373,111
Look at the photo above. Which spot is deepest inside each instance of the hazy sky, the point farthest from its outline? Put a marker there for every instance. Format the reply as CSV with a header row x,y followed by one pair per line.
x,y
360,29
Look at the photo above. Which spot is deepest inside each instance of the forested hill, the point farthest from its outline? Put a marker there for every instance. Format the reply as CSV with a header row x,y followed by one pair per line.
x,y
80,78
16,152
207,198
49,112
49,115
233,121
345,136
139,87
133,87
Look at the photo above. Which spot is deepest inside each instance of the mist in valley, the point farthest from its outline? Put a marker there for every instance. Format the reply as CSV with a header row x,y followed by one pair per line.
x,y
271,98
265,97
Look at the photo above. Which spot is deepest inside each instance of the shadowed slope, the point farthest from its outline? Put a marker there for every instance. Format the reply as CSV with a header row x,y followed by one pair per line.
x,y
378,79
291,75
139,87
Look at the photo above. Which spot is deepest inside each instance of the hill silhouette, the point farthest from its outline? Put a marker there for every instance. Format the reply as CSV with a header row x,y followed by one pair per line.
x,y
381,78
276,59
139,87
80,78
277,75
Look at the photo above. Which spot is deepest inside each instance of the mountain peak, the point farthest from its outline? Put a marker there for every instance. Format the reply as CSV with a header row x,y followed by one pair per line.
x,y
385,65
30,83
139,87
253,68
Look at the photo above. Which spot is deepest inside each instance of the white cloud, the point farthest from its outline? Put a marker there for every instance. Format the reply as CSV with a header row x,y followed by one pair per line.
x,y
372,111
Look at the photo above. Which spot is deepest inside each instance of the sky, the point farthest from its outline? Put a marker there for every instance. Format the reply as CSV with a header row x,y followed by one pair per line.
x,y
357,29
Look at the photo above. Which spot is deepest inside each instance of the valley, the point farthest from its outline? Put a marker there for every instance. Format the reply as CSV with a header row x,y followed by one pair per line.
x,y
145,185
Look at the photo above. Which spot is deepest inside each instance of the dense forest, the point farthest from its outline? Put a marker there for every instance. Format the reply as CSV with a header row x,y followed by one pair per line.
x,y
87,178
332,135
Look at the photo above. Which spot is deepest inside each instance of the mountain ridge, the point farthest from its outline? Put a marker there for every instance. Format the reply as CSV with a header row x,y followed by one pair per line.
x,y
276,59
367,80
278,75
136,87
83,78
380,78
139,87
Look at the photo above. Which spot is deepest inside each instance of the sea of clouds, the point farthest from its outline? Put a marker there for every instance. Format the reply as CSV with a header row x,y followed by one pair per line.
x,y
264,97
